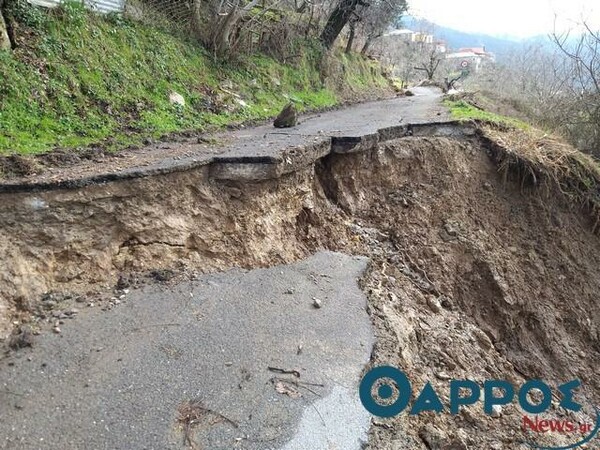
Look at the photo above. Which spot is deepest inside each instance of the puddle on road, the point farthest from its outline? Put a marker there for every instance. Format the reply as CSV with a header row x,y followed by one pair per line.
x,y
336,421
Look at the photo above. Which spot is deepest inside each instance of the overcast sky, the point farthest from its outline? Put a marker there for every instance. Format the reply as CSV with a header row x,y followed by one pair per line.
x,y
516,18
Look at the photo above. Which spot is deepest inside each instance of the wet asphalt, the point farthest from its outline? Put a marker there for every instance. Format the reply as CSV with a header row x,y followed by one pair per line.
x,y
121,379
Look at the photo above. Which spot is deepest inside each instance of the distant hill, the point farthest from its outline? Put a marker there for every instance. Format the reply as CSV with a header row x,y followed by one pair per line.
x,y
545,41
457,39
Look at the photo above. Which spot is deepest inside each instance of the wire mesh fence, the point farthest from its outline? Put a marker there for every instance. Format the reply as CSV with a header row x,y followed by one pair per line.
x,y
269,26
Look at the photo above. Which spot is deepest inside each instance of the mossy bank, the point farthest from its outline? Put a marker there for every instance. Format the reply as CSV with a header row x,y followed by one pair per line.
x,y
77,79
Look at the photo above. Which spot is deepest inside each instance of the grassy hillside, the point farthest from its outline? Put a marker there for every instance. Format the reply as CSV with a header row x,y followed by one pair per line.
x,y
464,110
78,79
536,156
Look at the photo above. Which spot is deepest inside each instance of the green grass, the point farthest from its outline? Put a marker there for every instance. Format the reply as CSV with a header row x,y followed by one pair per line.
x,y
80,79
462,110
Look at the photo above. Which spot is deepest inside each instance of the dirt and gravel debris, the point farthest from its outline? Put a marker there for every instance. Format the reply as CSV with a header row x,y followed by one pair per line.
x,y
474,273
469,282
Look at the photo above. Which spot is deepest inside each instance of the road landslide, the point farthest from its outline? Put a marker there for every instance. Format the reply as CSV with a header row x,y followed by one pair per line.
x,y
480,268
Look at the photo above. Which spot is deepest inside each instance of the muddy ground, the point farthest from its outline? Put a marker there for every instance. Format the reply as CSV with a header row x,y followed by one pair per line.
x,y
473,275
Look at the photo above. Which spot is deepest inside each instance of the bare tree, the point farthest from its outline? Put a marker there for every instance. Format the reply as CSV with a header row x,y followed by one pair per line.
x,y
431,61
223,18
377,17
450,81
408,59
554,86
532,79
584,55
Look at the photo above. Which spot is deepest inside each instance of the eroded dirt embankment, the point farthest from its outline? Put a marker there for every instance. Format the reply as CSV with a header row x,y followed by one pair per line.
x,y
472,276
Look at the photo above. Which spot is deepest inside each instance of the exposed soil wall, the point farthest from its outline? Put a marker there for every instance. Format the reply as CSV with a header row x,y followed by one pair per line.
x,y
471,276
80,240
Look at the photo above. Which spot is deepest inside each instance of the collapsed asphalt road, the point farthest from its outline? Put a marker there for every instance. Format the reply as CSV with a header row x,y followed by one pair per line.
x,y
253,144
473,273
187,366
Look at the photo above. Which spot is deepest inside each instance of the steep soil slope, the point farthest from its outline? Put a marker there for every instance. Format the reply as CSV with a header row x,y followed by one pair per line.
x,y
473,278
473,275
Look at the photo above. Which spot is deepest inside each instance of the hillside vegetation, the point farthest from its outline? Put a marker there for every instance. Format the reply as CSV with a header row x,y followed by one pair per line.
x,y
76,79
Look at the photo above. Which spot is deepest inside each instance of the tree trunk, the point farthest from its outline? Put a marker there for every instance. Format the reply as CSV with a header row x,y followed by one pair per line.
x,y
350,37
198,24
432,68
337,21
5,43
310,20
367,45
221,38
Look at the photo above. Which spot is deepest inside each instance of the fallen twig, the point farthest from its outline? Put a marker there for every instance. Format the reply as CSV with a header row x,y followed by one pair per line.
x,y
284,371
191,413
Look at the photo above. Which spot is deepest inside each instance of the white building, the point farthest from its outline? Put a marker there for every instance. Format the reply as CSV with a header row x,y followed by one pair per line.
x,y
411,36
471,58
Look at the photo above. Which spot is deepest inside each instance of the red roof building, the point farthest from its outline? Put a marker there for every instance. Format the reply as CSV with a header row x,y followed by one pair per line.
x,y
477,50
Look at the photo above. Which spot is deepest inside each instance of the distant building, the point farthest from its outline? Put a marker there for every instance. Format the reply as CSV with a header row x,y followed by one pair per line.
x,y
425,38
411,36
476,50
471,58
405,35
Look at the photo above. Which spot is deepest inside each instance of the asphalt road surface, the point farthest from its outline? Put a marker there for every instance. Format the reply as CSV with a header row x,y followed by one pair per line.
x,y
187,366
262,142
